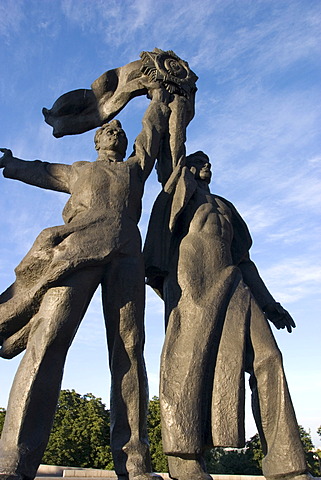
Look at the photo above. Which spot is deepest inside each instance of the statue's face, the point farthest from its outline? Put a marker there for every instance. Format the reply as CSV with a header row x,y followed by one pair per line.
x,y
201,168
114,139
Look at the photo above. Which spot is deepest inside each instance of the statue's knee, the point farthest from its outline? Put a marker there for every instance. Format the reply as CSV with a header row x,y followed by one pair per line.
x,y
270,359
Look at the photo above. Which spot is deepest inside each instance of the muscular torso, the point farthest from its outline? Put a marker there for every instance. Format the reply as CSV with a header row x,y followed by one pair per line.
x,y
204,252
210,216
104,188
207,221
104,205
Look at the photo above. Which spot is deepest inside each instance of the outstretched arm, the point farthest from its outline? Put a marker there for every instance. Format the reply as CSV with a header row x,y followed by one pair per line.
x,y
155,123
272,309
52,176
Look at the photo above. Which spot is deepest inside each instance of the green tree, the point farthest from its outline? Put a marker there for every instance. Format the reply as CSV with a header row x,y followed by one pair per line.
x,y
306,439
80,433
232,462
318,453
159,460
213,460
254,452
310,455
239,462
2,415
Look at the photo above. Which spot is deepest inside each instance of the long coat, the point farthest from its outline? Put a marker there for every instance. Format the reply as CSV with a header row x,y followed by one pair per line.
x,y
213,351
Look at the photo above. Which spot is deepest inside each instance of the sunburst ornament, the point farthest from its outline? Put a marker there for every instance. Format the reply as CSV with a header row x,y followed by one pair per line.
x,y
167,68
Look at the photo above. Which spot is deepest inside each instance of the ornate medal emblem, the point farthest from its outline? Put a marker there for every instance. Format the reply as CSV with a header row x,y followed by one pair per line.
x,y
172,71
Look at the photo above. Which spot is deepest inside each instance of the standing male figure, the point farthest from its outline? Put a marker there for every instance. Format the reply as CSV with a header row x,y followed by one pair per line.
x,y
99,244
216,310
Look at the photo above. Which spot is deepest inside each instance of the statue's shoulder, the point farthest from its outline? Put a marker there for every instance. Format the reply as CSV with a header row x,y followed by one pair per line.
x,y
229,205
242,237
80,164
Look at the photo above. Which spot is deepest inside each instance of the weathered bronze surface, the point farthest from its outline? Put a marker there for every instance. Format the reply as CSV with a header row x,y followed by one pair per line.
x,y
196,252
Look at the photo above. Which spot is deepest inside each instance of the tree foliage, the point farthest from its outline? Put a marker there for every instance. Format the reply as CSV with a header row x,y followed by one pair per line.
x,y
159,460
80,433
310,455
254,451
306,439
245,461
2,415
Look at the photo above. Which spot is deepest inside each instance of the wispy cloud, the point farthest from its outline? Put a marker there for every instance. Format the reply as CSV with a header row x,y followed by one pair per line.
x,y
11,16
136,22
291,234
304,193
294,278
260,34
259,217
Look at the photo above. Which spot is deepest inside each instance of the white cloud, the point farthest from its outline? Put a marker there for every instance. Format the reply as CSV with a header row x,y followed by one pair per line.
x,y
300,235
304,193
11,16
293,279
267,41
146,23
259,217
315,160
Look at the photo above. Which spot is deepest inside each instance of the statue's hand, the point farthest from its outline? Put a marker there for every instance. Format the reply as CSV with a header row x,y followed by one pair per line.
x,y
6,157
279,316
158,93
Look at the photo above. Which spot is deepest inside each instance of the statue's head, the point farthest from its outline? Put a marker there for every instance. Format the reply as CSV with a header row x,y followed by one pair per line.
x,y
111,137
199,164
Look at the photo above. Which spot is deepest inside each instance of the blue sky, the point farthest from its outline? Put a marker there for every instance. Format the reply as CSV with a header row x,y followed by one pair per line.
x,y
257,117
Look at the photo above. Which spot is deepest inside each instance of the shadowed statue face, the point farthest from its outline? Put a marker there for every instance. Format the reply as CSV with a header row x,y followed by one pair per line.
x,y
200,166
111,138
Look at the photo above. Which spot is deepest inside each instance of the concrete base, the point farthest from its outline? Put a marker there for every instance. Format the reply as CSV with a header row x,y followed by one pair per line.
x,y
51,472
93,474
55,471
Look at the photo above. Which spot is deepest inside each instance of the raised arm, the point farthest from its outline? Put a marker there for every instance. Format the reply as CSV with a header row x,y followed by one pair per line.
x,y
52,176
272,309
155,123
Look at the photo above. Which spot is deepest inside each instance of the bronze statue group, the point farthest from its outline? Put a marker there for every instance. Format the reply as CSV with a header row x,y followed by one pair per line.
x,y
196,256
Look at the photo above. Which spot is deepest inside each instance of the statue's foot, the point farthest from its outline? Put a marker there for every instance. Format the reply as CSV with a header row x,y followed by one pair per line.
x,y
186,469
145,476
141,476
302,476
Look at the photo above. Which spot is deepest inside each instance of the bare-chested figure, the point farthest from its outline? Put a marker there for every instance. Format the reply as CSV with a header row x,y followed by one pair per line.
x,y
99,244
216,309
